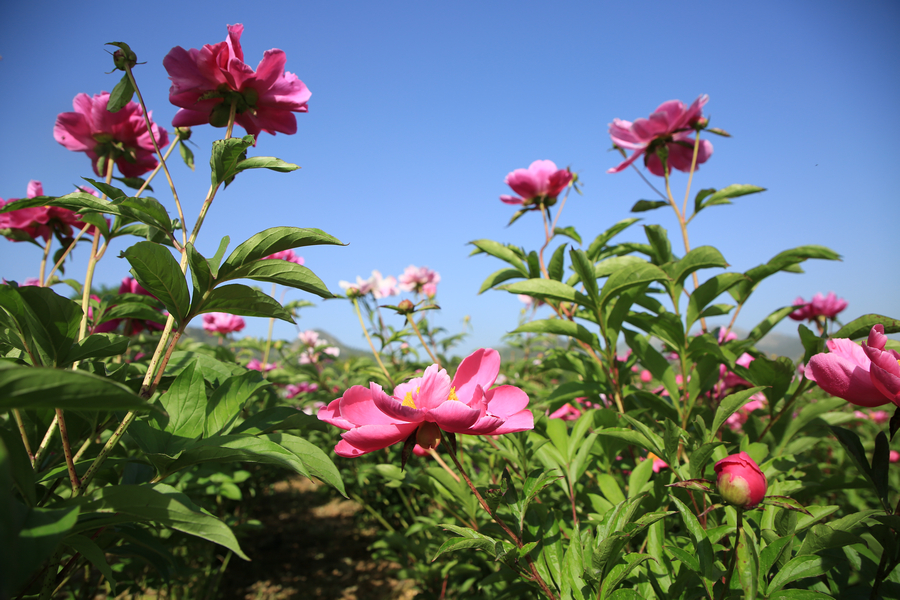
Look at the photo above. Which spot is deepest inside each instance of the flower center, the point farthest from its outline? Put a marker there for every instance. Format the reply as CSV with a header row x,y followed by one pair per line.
x,y
409,401
452,395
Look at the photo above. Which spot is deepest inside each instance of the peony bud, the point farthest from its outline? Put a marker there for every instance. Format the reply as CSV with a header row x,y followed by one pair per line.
x,y
740,481
428,435
406,307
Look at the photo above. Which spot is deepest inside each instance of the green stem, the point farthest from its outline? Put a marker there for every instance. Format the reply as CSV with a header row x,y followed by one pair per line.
x,y
65,254
421,339
21,425
44,260
162,159
45,443
268,340
371,345
734,552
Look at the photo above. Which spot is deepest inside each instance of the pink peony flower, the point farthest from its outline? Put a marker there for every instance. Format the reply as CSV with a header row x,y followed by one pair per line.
x,y
427,405
845,371
736,421
566,412
309,338
658,463
820,306
360,288
646,376
207,81
741,483
894,456
100,134
222,323
884,371
414,279
671,124
288,255
540,182
294,390
257,365
39,221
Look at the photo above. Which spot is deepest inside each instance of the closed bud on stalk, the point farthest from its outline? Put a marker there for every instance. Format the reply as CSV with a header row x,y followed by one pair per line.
x,y
740,481
428,435
406,307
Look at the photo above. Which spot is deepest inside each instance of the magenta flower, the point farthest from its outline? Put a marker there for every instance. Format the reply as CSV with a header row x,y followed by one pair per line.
x,y
222,323
566,412
671,124
658,463
740,481
820,306
39,221
845,370
414,279
288,255
427,405
294,390
256,365
884,371
207,81
540,182
100,134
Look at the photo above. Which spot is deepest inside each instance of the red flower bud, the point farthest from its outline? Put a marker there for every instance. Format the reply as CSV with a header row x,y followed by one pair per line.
x,y
740,481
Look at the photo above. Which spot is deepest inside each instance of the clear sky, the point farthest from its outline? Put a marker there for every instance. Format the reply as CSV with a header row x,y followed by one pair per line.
x,y
420,109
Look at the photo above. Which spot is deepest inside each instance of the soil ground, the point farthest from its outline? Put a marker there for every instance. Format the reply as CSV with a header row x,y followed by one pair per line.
x,y
309,547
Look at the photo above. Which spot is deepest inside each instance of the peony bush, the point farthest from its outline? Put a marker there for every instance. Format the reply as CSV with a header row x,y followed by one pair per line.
x,y
619,446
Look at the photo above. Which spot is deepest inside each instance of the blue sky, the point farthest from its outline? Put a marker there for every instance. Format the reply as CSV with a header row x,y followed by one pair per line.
x,y
420,109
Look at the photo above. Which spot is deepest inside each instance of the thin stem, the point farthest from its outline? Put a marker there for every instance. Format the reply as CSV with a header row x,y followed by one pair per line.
x,y
518,542
268,340
232,113
18,416
165,360
687,191
647,181
441,462
65,253
371,345
67,450
547,238
44,260
737,536
159,155
421,339
45,443
159,165
92,263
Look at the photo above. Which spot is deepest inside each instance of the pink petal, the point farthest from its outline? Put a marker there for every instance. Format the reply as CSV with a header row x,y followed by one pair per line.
x,y
332,414
359,406
454,416
369,438
521,421
627,162
512,200
479,368
505,401
844,378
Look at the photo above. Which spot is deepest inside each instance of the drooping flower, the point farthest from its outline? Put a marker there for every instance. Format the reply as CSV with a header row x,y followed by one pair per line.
x,y
206,82
740,480
845,371
222,323
428,405
820,306
540,182
121,135
671,124
38,221
288,255
414,279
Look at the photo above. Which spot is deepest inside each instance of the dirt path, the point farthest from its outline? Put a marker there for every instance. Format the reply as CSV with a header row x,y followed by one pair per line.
x,y
309,547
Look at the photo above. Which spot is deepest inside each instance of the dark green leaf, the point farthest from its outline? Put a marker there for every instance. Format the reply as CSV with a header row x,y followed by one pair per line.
x,y
43,387
702,257
270,241
227,402
797,568
659,241
281,272
629,277
557,263
860,327
158,272
239,299
226,154
645,205
97,345
266,162
121,95
708,291
601,240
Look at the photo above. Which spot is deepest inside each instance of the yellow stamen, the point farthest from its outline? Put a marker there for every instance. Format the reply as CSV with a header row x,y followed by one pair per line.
x,y
453,394
408,400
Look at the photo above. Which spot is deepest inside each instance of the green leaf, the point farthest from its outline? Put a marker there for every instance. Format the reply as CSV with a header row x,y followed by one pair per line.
x,y
783,261
238,448
43,387
94,554
502,252
470,539
201,276
41,531
766,325
798,567
185,404
226,154
700,458
166,506
556,267
227,402
317,462
18,463
266,162
702,257
548,289
702,546
242,300
601,240
158,272
278,418
623,279
747,565
281,272
499,277
659,241
146,210
645,205
121,95
629,436
270,241
728,406
708,291
216,259
559,327
97,345
111,191
568,232
583,266
860,327
187,155
722,196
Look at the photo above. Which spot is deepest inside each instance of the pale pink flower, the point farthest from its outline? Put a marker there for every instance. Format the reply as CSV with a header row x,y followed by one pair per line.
x,y
566,412
207,81
361,287
427,405
288,255
309,338
332,351
121,135
672,124
294,390
430,290
222,323
540,182
383,287
414,279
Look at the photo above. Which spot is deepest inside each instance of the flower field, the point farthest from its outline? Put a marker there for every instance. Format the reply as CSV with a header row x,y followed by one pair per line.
x,y
626,441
